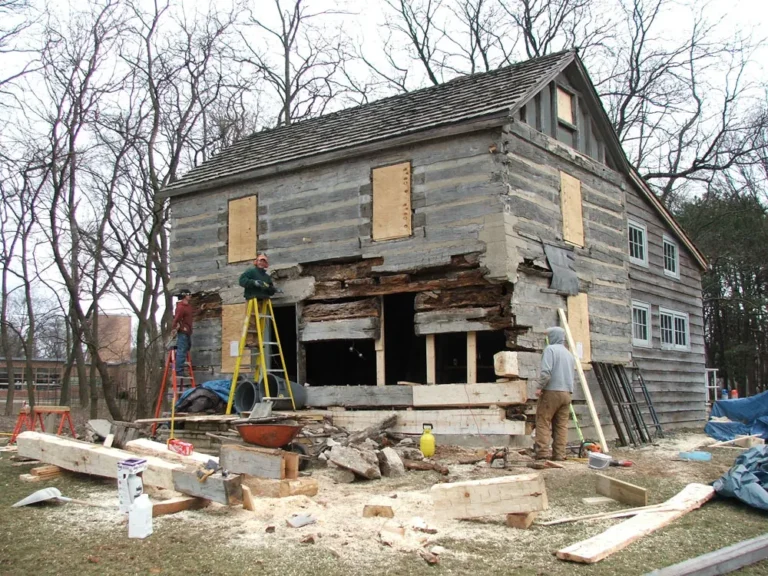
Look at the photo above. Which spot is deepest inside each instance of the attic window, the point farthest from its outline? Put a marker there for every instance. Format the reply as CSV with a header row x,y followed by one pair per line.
x,y
565,106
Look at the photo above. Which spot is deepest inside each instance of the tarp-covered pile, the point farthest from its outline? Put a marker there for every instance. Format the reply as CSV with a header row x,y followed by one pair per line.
x,y
747,479
209,397
740,417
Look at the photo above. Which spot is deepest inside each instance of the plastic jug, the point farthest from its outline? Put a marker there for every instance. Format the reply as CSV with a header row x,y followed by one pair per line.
x,y
427,442
140,518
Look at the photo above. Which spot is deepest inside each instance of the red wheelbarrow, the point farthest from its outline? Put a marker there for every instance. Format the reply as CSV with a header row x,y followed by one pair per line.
x,y
269,435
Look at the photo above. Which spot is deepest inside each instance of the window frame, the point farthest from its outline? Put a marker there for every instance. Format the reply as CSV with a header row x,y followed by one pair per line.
x,y
568,92
646,307
644,229
666,240
675,315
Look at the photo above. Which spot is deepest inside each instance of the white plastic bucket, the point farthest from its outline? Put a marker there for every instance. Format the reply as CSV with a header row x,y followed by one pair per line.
x,y
599,461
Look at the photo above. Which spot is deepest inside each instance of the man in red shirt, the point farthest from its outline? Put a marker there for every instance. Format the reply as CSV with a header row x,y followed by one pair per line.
x,y
182,324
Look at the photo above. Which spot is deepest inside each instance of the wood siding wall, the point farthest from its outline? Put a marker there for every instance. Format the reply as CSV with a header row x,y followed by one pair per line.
x,y
324,213
675,378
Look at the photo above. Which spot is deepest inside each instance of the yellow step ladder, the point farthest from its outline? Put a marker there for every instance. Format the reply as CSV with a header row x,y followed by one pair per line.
x,y
261,312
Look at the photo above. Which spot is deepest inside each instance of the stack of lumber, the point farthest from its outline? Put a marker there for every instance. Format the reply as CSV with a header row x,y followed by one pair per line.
x,y
95,459
452,409
41,473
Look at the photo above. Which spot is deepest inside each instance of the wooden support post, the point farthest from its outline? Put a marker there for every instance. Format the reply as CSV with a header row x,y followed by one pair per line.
x,y
301,351
471,357
431,379
583,380
381,374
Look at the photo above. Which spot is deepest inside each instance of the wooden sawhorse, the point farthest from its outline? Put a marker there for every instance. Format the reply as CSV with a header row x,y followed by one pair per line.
x,y
28,416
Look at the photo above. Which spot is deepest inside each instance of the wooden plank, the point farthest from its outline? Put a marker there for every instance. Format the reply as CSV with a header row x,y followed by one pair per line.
x,y
477,498
359,396
391,202
584,384
578,320
570,202
270,488
623,534
321,311
248,502
471,357
259,462
460,395
431,366
381,374
146,447
215,488
242,229
232,319
722,561
621,491
174,505
350,329
94,459
455,421
521,521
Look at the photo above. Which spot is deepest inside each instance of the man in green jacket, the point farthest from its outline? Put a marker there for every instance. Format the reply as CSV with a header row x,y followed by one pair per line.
x,y
256,281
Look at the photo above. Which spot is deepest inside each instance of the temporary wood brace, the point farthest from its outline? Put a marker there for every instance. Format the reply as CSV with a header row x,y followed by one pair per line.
x,y
492,496
621,491
583,380
623,534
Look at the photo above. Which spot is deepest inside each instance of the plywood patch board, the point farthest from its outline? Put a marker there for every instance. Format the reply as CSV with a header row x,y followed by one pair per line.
x,y
232,318
578,320
242,232
391,202
570,201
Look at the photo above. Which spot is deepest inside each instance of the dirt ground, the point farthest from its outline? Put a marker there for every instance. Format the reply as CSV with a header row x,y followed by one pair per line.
x,y
72,539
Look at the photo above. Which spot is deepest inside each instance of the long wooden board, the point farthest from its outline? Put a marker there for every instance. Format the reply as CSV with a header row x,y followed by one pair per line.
x,y
259,462
359,396
215,488
474,499
94,459
457,421
460,395
621,491
623,534
721,561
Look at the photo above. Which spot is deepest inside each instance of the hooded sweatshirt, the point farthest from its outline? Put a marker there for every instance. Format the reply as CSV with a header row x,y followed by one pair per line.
x,y
557,363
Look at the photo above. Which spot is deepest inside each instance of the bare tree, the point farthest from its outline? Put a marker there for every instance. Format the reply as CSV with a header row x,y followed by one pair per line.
x,y
299,59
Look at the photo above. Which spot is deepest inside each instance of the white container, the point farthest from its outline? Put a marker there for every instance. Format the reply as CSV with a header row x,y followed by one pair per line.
x,y
140,518
599,461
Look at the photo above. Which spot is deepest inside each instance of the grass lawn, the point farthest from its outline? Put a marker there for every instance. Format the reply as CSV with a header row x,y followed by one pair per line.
x,y
72,539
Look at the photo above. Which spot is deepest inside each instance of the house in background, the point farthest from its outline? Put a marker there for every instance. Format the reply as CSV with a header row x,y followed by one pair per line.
x,y
416,236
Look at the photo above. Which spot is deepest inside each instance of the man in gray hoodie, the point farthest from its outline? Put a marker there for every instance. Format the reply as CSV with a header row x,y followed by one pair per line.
x,y
555,387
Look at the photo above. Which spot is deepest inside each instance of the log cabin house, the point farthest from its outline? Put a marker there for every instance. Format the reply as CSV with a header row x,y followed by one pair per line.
x,y
417,235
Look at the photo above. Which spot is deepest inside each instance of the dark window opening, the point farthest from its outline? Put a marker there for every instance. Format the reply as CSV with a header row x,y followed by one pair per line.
x,y
285,320
341,363
451,358
405,353
488,344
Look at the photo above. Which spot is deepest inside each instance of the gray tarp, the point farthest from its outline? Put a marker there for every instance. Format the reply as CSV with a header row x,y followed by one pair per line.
x,y
564,277
747,479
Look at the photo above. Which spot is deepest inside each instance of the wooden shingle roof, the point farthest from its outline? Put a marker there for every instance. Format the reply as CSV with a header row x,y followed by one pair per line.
x,y
462,99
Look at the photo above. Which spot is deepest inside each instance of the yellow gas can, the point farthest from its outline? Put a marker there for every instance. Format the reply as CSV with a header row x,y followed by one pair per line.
x,y
427,442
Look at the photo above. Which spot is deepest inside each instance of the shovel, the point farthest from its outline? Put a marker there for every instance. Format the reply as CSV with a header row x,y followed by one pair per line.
x,y
261,410
47,494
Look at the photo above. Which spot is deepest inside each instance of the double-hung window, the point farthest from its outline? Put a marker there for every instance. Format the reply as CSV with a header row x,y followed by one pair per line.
x,y
638,243
675,333
671,258
641,324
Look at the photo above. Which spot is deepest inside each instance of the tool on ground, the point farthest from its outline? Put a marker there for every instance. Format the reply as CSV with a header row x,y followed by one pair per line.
x,y
130,484
209,469
622,463
586,447
52,494
496,454
264,316
427,441
170,368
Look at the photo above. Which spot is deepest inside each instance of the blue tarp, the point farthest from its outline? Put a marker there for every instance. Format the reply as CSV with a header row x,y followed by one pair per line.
x,y
747,479
747,415
220,387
